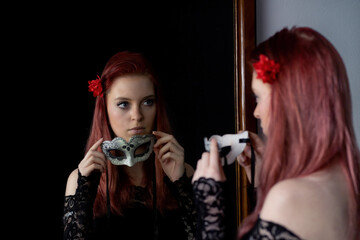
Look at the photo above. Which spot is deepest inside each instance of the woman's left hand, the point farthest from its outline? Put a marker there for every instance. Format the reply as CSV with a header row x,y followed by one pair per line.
x,y
171,155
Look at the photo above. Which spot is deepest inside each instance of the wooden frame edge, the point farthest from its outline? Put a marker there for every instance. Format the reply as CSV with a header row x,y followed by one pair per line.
x,y
244,42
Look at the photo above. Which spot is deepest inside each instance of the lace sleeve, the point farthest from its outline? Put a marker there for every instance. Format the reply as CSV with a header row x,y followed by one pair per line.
x,y
269,230
182,189
78,208
210,203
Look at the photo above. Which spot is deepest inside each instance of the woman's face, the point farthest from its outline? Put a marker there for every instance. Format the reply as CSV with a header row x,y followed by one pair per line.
x,y
262,92
131,106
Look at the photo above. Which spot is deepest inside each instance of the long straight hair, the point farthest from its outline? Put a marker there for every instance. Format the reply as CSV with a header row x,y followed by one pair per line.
x,y
122,64
310,124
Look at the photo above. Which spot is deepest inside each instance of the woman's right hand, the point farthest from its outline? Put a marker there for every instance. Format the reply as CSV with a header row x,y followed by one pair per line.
x,y
209,166
93,160
244,159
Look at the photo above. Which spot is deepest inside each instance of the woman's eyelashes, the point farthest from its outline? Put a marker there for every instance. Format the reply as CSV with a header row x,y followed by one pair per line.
x,y
256,98
126,104
149,101
123,104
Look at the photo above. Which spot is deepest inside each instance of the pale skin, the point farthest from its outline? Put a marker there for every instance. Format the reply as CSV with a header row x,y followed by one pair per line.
x,y
312,207
131,107
262,93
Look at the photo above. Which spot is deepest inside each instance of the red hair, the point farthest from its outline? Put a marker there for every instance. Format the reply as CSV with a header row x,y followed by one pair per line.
x,y
125,63
310,124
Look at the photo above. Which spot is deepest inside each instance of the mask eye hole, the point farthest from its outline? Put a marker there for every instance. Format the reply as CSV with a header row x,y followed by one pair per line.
x,y
142,149
117,153
224,151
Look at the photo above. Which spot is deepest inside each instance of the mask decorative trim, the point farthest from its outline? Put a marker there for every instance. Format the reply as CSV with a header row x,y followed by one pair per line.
x,y
128,155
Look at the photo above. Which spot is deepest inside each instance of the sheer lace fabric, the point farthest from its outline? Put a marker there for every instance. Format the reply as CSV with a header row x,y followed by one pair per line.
x,y
182,190
269,230
209,200
210,203
78,211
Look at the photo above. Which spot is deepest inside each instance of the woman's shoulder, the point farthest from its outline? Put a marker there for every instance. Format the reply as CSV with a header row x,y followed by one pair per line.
x,y
71,184
305,205
287,193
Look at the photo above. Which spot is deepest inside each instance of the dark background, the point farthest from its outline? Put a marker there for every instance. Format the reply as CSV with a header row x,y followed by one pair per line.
x,y
56,48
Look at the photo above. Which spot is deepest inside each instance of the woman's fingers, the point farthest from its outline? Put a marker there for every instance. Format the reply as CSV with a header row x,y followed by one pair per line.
x,y
209,166
170,147
97,144
161,138
170,154
214,154
257,142
201,166
93,160
244,159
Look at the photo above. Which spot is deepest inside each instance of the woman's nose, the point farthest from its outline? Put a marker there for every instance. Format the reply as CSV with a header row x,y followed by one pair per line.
x,y
136,114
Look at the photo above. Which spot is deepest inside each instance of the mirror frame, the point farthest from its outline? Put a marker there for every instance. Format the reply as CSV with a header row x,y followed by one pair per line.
x,y
244,42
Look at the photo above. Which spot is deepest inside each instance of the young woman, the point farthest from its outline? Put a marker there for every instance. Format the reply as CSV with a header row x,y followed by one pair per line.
x,y
149,200
309,178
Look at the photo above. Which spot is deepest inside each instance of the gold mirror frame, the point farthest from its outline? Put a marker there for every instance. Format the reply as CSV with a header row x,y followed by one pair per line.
x,y
244,42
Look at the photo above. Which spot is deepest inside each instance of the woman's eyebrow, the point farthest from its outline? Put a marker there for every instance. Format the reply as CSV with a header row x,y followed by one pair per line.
x,y
122,99
150,96
128,99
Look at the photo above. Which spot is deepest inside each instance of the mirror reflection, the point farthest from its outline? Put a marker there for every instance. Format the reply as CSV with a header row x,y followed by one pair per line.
x,y
189,49
157,188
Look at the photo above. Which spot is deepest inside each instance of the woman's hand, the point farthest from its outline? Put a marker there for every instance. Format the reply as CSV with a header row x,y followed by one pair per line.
x,y
171,155
209,166
93,160
244,159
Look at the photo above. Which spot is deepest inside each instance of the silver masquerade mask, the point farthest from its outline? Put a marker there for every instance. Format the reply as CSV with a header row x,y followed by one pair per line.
x,y
120,152
230,145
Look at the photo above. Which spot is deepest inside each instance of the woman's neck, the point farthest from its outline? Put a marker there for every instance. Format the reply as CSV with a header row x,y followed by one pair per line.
x,y
136,174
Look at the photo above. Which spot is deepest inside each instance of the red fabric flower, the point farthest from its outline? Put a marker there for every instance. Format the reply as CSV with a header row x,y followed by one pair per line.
x,y
266,69
95,87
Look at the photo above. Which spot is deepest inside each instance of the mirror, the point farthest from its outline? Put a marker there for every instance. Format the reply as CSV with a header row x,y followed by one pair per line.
x,y
190,46
196,49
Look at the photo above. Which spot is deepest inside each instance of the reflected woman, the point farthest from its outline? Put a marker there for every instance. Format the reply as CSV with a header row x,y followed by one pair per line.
x,y
148,199
309,179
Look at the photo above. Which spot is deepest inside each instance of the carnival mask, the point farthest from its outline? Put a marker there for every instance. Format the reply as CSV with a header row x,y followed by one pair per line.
x,y
120,152
230,145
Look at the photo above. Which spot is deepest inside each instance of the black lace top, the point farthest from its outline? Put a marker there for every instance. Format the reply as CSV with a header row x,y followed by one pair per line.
x,y
137,221
209,200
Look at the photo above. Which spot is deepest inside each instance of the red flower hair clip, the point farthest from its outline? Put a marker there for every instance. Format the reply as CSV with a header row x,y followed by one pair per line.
x,y
266,69
95,87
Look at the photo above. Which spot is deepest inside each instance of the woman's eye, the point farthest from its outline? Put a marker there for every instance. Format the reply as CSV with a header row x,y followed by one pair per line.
x,y
149,102
122,104
256,98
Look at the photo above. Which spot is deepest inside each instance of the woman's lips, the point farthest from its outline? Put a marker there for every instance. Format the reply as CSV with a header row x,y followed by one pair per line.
x,y
136,130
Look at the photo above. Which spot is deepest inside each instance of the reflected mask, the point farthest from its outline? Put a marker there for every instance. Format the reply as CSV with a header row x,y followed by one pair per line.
x,y
120,152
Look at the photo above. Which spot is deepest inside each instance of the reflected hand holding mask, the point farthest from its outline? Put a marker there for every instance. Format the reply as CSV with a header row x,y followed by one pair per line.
x,y
230,146
120,152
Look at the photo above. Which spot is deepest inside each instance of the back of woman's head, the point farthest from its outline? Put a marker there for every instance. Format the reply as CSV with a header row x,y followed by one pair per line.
x,y
310,124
